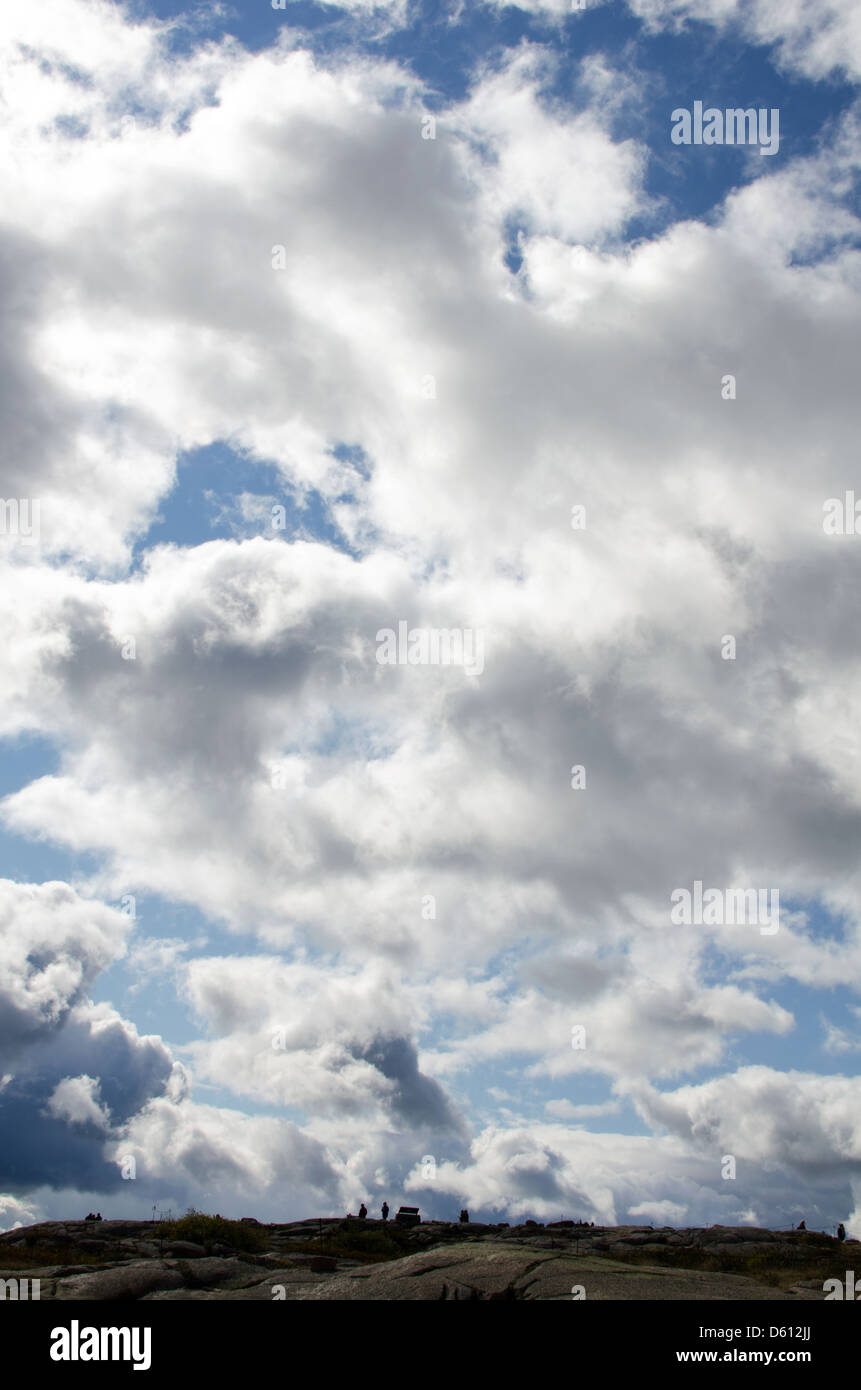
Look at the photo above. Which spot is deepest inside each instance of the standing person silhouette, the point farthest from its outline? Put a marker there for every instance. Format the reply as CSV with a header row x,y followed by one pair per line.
x,y
385,1210
363,1211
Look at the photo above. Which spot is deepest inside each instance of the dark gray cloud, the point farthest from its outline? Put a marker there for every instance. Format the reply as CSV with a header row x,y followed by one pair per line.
x,y
418,1101
40,1149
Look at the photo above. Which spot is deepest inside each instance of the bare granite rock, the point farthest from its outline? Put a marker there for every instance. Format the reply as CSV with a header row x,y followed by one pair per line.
x,y
121,1281
494,1272
445,1261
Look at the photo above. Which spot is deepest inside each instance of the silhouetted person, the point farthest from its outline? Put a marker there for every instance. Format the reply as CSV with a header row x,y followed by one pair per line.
x,y
841,1232
385,1210
363,1211
801,1226
464,1216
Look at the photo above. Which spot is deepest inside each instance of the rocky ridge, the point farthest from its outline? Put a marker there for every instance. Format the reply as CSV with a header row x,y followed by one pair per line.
x,y
130,1260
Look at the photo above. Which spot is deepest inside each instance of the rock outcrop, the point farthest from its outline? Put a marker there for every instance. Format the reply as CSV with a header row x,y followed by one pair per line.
x,y
128,1260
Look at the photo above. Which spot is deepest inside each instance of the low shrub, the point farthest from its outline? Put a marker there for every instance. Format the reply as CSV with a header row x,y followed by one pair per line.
x,y
788,1263
353,1240
207,1231
38,1255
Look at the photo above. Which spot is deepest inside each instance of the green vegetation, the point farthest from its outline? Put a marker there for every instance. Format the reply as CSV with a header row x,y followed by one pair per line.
x,y
37,1254
810,1256
207,1231
353,1240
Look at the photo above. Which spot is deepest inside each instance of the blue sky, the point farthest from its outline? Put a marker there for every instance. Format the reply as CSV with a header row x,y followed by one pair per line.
x,y
241,471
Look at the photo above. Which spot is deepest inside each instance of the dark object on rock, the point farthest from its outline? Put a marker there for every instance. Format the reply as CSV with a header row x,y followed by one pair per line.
x,y
249,1220
472,1295
363,1211
841,1232
801,1226
464,1216
408,1216
385,1210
